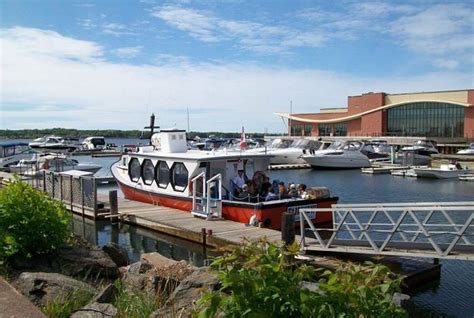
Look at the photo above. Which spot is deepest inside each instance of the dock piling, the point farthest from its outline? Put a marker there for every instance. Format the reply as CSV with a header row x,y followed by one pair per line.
x,y
288,228
113,202
204,242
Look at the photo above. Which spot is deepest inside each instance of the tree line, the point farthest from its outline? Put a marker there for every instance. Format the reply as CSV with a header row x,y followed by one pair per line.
x,y
108,133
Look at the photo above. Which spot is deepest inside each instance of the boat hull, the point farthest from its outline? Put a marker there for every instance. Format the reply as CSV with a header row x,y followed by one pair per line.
x,y
336,162
439,174
269,214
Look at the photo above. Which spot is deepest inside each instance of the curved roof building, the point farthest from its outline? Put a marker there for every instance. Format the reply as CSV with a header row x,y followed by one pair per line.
x,y
444,114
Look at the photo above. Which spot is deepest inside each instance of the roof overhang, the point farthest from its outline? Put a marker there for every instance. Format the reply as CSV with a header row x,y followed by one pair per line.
x,y
359,115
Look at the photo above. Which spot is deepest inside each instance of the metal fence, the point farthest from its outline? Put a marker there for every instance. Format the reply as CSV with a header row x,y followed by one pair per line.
x,y
78,193
430,229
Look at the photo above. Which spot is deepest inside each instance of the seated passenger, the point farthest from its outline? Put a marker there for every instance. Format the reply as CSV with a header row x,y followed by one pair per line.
x,y
244,195
281,188
293,192
271,195
302,191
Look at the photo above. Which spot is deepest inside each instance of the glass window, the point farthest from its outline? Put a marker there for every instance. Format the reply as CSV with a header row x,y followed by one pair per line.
x,y
340,129
134,169
426,119
296,130
148,172
324,129
179,175
162,174
307,129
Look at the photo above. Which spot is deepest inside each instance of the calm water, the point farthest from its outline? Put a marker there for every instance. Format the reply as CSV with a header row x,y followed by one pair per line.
x,y
453,295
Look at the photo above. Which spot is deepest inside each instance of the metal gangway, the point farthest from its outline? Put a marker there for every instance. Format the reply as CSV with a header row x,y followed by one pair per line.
x,y
207,203
423,229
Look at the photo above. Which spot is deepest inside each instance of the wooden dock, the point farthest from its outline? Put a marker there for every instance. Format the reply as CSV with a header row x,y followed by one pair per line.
x,y
183,224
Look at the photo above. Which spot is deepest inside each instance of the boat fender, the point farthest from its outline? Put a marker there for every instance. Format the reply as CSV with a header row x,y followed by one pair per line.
x,y
253,220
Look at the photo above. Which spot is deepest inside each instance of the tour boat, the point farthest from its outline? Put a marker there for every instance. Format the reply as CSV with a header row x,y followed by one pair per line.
x,y
168,174
445,171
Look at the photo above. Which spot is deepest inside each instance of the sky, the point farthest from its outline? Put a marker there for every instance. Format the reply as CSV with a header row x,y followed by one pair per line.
x,y
109,64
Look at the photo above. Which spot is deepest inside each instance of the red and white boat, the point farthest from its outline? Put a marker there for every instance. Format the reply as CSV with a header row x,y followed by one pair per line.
x,y
168,174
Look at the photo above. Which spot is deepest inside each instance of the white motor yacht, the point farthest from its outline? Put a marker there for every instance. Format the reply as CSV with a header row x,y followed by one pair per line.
x,y
293,154
51,163
54,144
341,155
12,152
468,151
417,154
445,171
93,143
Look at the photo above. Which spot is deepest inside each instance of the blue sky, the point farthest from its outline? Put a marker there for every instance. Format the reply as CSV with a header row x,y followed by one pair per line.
x,y
109,64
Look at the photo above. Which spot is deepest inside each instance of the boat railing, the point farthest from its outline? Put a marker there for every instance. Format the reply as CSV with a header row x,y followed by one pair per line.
x,y
214,193
197,201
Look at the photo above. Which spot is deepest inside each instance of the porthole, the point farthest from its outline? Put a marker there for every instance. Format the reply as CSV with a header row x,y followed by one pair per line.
x,y
134,169
179,176
162,174
148,172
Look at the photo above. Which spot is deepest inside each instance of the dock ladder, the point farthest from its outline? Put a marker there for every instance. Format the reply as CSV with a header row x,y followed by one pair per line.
x,y
207,204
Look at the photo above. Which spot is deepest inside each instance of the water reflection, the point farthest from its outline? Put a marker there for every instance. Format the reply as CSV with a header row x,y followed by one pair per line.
x,y
137,240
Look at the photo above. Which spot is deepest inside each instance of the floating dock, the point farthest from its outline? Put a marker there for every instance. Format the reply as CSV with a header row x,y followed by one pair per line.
x,y
289,166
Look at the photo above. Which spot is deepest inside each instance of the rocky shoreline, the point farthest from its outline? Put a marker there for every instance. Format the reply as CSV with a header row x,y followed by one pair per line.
x,y
95,272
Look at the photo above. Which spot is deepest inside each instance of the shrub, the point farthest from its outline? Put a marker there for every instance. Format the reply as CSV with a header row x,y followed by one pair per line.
x,y
135,303
31,223
258,281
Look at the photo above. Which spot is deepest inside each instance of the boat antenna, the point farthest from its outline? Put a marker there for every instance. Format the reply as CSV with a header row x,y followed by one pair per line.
x,y
152,125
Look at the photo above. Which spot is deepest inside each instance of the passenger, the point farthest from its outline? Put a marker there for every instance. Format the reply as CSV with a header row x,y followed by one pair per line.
x,y
458,165
302,191
293,192
281,188
266,185
250,187
271,195
239,180
244,195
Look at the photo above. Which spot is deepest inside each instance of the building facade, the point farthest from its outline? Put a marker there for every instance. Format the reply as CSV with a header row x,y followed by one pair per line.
x,y
443,114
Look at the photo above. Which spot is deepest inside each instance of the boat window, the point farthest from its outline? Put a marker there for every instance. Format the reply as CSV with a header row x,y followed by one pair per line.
x,y
162,174
134,169
179,175
9,151
148,172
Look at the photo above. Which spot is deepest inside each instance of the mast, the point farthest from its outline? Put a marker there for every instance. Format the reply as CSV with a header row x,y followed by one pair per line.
x,y
152,126
289,120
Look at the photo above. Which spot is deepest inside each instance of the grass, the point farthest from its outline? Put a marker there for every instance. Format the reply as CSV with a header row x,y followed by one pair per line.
x,y
64,306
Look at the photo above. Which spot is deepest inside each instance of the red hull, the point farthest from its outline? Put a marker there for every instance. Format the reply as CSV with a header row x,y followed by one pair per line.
x,y
269,213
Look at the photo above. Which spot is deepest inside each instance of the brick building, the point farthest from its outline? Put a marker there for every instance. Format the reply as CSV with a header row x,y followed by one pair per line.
x,y
443,114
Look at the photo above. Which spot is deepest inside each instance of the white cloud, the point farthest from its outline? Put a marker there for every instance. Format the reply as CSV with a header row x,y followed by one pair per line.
x,y
447,64
116,29
128,52
254,36
88,92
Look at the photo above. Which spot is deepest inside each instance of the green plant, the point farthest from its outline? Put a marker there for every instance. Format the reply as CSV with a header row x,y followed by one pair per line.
x,y
135,303
258,280
65,305
31,222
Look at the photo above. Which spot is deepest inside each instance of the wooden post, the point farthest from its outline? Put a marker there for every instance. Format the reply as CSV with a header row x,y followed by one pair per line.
x,y
94,193
288,228
70,190
53,181
44,181
204,242
113,202
61,187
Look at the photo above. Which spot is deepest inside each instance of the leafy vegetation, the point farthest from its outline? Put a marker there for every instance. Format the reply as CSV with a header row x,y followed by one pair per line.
x,y
258,280
66,304
31,223
136,303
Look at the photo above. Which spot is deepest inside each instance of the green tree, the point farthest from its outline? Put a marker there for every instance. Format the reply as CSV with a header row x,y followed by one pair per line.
x,y
31,223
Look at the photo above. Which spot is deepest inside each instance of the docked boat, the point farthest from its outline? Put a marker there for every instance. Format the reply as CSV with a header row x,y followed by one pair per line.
x,y
54,144
294,152
12,152
40,163
341,155
417,154
93,143
200,182
445,171
467,151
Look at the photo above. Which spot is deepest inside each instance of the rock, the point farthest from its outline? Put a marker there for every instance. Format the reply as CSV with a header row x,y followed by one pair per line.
x,y
181,301
400,299
117,253
96,310
43,288
86,262
107,295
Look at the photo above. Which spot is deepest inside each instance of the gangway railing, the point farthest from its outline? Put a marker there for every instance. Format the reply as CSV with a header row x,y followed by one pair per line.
x,y
421,229
208,203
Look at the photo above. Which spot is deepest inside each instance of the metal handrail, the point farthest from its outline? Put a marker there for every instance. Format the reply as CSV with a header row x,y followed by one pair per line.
x,y
358,222
219,198
194,180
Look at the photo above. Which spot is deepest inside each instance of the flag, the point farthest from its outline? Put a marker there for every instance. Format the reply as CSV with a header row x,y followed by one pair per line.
x,y
243,141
